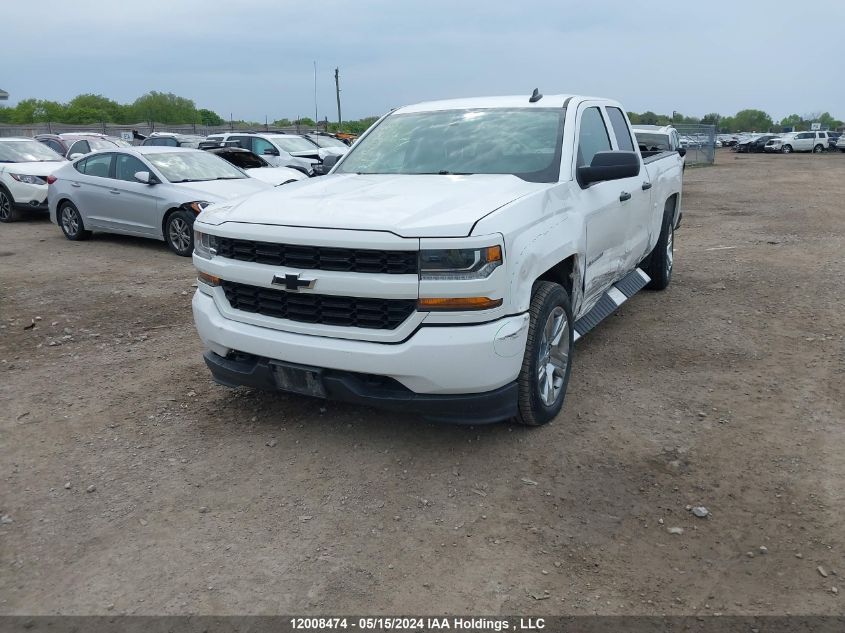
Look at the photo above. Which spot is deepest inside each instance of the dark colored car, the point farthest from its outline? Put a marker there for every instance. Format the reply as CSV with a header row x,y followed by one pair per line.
x,y
832,137
165,139
755,145
238,156
70,145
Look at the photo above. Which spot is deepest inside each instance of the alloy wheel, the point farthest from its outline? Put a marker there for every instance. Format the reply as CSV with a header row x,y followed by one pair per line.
x,y
553,356
180,234
5,206
670,249
70,220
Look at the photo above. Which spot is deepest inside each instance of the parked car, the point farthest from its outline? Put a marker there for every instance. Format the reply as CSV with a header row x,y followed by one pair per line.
x,y
255,166
280,150
755,144
152,192
446,265
840,143
170,139
25,165
802,142
657,138
832,138
73,146
328,142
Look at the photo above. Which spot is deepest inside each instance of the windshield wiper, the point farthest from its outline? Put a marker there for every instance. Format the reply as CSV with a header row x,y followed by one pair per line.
x,y
444,172
230,177
190,180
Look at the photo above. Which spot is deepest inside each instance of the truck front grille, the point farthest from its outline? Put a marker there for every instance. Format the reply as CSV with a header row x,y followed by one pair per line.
x,y
374,314
356,260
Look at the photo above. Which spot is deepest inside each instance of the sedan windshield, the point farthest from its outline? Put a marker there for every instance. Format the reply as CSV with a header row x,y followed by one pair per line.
x,y
193,166
327,141
293,143
26,151
519,141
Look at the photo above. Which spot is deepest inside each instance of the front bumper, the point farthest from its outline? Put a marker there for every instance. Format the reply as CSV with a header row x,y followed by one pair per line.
x,y
31,197
385,393
433,360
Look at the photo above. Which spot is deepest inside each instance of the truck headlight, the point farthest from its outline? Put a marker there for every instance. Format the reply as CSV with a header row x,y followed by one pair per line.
x,y
459,263
205,245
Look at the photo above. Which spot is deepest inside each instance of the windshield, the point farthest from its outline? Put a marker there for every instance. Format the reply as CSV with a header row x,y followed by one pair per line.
x,y
26,151
652,142
519,141
293,143
327,141
193,166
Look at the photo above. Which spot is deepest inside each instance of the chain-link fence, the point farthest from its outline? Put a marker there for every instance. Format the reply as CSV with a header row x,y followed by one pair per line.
x,y
699,141
145,128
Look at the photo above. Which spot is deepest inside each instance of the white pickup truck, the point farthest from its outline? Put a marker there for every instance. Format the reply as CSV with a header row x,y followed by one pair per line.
x,y
446,265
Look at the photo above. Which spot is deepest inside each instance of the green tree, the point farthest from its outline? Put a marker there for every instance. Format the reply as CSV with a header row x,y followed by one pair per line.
x,y
306,122
712,118
91,108
210,118
753,121
282,123
164,107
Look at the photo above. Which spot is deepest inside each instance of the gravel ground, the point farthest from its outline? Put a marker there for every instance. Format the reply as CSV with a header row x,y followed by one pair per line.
x,y
132,484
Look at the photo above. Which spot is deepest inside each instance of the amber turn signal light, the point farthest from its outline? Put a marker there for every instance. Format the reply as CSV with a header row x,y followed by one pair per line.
x,y
210,280
457,303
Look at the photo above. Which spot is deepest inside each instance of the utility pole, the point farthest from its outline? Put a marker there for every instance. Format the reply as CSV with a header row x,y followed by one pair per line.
x,y
337,91
315,92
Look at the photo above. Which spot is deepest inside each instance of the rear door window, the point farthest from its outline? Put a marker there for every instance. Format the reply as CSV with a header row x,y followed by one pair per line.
x,y
620,129
98,166
592,136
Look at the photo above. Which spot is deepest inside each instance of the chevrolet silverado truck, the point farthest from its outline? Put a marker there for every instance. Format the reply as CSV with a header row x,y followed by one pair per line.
x,y
446,265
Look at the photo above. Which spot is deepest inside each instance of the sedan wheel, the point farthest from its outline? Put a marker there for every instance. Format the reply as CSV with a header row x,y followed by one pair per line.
x,y
180,233
71,223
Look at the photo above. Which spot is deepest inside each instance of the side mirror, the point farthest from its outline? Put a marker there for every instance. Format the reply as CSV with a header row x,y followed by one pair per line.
x,y
682,151
270,152
328,162
613,165
75,156
145,177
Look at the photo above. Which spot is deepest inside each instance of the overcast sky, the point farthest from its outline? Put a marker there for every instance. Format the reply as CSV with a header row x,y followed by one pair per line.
x,y
254,58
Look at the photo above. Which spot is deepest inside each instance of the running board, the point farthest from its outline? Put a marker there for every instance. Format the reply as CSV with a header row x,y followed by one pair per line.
x,y
615,296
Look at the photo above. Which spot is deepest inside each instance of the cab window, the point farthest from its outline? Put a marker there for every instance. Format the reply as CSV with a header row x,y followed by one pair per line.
x,y
620,129
260,145
592,137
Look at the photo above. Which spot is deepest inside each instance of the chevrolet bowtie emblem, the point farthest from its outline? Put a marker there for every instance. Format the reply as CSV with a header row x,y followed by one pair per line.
x,y
293,283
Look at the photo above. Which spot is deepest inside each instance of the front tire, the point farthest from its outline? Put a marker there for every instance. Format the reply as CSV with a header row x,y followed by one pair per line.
x,y
71,222
661,260
547,363
8,212
787,149
179,233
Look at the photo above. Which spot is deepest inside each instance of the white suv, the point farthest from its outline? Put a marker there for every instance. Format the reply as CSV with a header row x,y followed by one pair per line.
x,y
801,142
278,149
25,165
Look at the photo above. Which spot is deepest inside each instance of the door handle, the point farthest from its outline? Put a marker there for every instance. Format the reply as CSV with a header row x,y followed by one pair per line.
x,y
624,196
114,191
646,186
75,184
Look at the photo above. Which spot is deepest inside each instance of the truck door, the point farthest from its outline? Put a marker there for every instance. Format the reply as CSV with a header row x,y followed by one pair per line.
x,y
605,214
639,214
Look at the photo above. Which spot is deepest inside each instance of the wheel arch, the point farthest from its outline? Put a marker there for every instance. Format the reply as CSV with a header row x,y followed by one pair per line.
x,y
569,273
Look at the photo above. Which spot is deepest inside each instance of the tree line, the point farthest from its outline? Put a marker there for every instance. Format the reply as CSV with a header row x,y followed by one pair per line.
x,y
161,107
743,121
166,107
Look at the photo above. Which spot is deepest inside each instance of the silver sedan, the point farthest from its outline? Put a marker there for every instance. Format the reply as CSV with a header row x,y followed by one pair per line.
x,y
154,192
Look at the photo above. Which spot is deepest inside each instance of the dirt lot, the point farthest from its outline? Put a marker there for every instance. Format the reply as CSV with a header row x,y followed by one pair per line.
x,y
726,391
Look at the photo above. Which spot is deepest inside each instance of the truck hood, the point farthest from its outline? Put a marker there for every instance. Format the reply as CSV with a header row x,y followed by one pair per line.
x,y
215,190
407,205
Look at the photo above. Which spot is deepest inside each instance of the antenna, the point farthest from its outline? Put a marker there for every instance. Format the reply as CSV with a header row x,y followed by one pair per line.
x,y
315,91
535,96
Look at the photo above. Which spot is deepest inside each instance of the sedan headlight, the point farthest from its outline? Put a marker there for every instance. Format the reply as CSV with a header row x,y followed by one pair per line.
x,y
198,206
456,264
205,245
29,180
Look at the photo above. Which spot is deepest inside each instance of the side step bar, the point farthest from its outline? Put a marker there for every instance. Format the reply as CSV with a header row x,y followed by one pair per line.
x,y
615,296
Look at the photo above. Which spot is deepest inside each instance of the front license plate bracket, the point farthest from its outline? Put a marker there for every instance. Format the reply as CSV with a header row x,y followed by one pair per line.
x,y
299,379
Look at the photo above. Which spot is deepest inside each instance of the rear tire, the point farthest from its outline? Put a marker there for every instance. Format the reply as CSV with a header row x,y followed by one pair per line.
x,y
8,212
660,261
70,220
547,363
179,233
818,149
787,149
